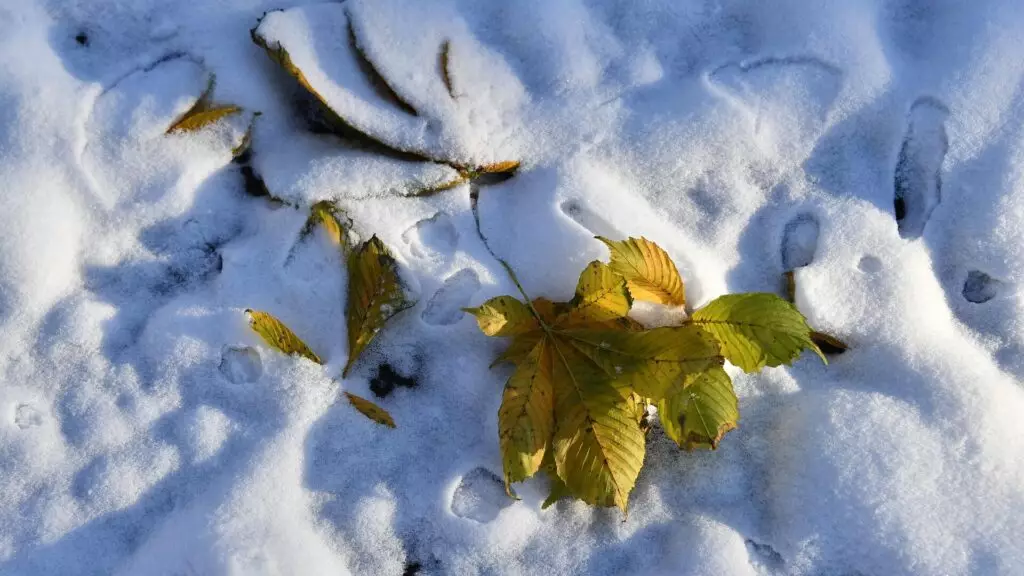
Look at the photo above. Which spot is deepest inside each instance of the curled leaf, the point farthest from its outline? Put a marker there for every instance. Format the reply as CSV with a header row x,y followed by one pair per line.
x,y
370,410
375,294
649,271
601,295
334,222
279,336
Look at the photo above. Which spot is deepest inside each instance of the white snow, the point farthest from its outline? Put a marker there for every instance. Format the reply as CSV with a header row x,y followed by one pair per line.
x,y
144,429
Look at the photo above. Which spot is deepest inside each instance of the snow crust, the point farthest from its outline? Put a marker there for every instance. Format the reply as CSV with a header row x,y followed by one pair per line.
x,y
144,429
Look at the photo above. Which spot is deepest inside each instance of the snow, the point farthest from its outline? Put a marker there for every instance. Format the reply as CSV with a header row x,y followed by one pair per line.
x,y
144,429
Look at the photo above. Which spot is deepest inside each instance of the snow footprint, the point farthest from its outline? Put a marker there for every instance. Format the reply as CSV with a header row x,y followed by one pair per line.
x,y
588,219
918,182
26,416
480,496
432,238
445,306
799,241
980,287
240,364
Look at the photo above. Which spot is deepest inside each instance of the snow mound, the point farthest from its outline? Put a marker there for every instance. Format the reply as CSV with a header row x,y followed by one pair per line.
x,y
873,148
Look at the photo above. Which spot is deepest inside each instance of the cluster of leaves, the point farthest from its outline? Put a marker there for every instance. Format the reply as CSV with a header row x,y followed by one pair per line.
x,y
375,295
585,371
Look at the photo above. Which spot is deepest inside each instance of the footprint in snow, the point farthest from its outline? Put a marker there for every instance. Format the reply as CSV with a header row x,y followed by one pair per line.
x,y
480,496
980,287
799,241
26,416
588,219
918,182
240,364
445,306
432,238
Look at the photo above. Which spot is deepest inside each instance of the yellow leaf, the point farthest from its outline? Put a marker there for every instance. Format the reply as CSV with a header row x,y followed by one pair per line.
x,y
526,416
700,410
445,63
499,167
601,295
335,223
370,410
649,271
598,444
278,336
504,316
202,113
375,294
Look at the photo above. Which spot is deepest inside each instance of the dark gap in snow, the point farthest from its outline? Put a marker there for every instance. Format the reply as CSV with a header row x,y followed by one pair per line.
x,y
918,182
387,379
980,287
82,38
799,241
764,555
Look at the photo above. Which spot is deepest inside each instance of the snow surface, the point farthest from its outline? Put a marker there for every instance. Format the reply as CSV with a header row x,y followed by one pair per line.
x,y
145,430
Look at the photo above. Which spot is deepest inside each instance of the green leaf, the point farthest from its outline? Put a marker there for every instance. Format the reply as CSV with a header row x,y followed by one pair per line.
x,y
526,416
370,410
649,271
504,316
375,294
756,330
278,336
698,412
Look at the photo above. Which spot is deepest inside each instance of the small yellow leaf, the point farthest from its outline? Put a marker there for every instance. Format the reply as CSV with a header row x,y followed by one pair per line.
x,y
504,316
279,336
375,294
334,221
370,410
201,116
499,167
649,271
601,295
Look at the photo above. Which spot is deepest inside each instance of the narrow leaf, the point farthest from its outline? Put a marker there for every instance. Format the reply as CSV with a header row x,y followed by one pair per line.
x,y
526,416
375,294
445,63
828,343
756,330
278,336
698,412
370,410
649,271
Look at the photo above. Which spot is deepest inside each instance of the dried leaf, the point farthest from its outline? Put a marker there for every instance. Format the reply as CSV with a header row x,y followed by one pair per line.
x,y
279,336
370,410
375,294
445,63
828,344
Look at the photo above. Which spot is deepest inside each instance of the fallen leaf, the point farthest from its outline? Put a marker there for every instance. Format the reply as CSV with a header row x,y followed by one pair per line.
x,y
375,294
370,410
279,336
